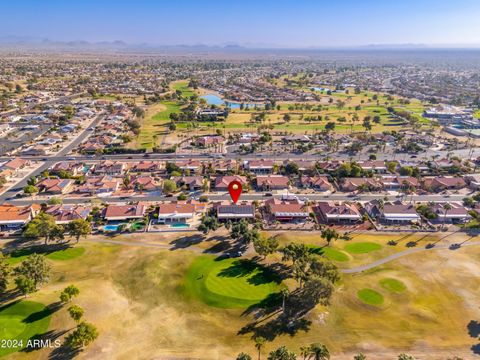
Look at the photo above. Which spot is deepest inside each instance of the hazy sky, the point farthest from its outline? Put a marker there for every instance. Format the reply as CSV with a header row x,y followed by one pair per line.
x,y
282,22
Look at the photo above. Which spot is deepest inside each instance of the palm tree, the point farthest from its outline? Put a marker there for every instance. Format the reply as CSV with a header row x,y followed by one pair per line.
x,y
305,351
446,208
319,352
259,342
360,356
285,294
329,234
243,356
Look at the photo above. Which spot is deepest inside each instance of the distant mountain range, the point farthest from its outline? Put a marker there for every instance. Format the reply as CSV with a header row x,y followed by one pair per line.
x,y
31,42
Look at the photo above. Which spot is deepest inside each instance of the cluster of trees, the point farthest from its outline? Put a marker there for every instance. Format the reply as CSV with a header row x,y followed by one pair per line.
x,y
208,223
28,276
44,226
241,231
85,333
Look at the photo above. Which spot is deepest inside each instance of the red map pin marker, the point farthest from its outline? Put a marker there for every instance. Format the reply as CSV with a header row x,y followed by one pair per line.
x,y
235,190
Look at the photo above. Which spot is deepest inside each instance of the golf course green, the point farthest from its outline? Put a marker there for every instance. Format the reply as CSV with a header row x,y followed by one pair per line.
x,y
21,320
362,247
370,297
393,285
230,283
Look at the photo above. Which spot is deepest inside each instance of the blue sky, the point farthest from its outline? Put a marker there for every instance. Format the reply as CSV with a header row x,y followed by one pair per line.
x,y
292,23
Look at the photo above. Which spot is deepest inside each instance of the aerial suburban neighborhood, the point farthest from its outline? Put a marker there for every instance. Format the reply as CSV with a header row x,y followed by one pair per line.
x,y
213,200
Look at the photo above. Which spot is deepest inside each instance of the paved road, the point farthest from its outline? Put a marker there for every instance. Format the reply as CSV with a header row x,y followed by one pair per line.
x,y
464,154
10,193
225,196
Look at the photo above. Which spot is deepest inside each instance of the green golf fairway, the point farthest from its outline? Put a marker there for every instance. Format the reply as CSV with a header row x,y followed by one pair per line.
x,y
68,253
331,253
362,247
22,320
230,283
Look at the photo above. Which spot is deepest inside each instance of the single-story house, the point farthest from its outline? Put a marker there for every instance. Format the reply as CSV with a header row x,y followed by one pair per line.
x,y
319,183
272,182
14,217
329,212
175,213
355,184
63,214
222,182
55,186
287,210
457,213
235,212
441,183
124,212
259,166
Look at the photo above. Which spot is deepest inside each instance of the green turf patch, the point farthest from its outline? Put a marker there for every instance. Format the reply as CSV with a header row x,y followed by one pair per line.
x,y
393,285
362,247
65,253
370,297
230,283
21,321
329,252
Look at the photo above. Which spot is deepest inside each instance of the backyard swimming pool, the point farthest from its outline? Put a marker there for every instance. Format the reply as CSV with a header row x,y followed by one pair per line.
x,y
111,227
179,225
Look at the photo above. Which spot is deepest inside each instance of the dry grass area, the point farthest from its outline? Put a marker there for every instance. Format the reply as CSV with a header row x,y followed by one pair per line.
x,y
135,295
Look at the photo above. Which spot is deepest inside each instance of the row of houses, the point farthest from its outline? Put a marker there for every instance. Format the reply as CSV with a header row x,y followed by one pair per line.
x,y
271,211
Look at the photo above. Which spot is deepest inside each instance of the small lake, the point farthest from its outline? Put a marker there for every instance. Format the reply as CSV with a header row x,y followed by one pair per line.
x,y
213,99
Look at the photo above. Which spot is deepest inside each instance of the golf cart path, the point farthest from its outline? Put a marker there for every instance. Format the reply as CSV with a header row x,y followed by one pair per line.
x,y
353,270
403,253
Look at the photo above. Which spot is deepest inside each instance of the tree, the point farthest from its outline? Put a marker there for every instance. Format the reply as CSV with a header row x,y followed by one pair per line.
x,y
169,186
243,356
30,189
282,353
295,252
76,313
82,336
446,208
291,168
4,272
127,180
55,201
43,225
360,356
69,293
241,231
25,285
285,293
78,228
330,126
259,343
265,246
318,352
324,268
405,357
317,290
209,223
34,268
329,234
